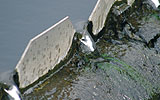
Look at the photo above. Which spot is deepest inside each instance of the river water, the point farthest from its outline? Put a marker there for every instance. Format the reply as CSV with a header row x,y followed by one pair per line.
x,y
20,21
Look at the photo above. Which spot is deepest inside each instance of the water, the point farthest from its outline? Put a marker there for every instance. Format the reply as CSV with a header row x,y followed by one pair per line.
x,y
20,21
124,67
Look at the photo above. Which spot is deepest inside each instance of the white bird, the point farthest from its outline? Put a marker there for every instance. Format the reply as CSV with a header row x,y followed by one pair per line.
x,y
86,40
13,92
156,2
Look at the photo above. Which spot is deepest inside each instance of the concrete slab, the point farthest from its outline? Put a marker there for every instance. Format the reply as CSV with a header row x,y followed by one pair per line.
x,y
99,14
45,51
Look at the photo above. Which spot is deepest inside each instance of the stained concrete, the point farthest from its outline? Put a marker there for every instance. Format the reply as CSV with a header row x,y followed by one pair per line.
x,y
100,12
45,51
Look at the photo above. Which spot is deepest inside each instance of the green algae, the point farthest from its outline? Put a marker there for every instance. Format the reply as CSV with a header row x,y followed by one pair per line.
x,y
126,69
120,77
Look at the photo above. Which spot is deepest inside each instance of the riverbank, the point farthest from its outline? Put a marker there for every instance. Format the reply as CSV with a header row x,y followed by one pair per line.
x,y
126,64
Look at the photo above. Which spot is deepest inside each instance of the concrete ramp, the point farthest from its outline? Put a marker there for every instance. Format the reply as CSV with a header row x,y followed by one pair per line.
x,y
99,14
45,51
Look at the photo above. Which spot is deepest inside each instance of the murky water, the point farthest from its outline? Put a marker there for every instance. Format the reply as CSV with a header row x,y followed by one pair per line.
x,y
125,66
20,21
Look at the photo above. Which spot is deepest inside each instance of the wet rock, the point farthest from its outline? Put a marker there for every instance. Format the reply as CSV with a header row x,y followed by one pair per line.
x,y
157,45
149,29
118,10
133,75
145,61
127,30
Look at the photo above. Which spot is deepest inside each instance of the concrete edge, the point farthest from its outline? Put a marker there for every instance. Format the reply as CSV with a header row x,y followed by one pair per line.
x,y
99,14
58,36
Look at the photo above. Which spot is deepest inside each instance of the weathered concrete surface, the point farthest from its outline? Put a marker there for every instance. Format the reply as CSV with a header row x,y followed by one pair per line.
x,y
99,14
44,52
